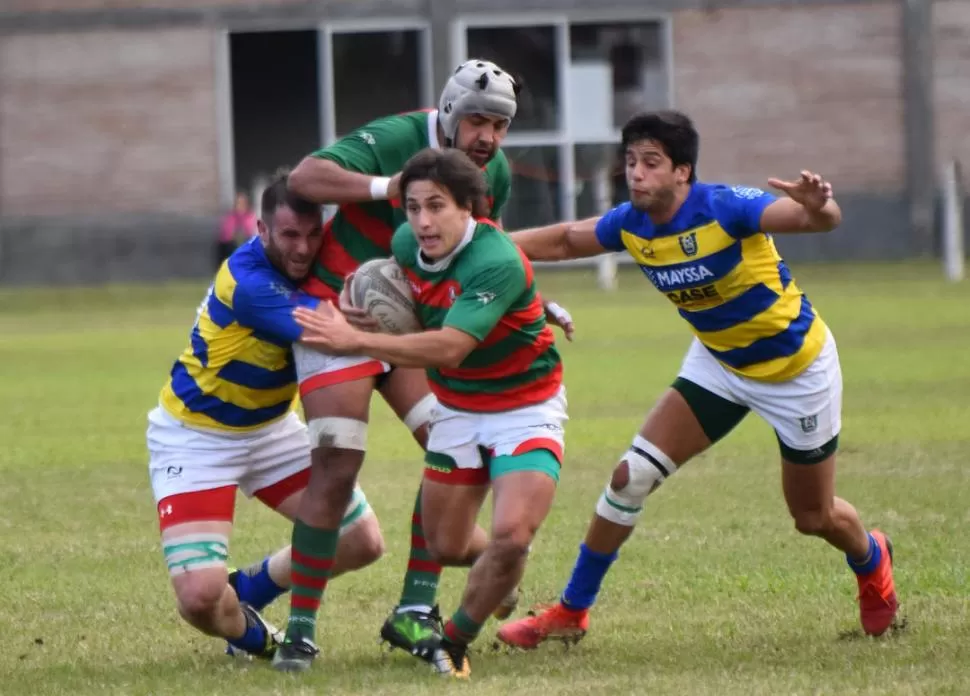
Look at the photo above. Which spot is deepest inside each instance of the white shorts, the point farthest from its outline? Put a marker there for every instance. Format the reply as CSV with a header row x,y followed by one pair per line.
x,y
806,412
462,445
195,472
315,370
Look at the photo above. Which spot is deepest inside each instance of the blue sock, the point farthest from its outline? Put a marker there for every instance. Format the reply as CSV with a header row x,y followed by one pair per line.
x,y
588,574
255,587
864,566
253,640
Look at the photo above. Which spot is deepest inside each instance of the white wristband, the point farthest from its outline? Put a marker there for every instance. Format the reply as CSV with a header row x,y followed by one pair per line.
x,y
379,186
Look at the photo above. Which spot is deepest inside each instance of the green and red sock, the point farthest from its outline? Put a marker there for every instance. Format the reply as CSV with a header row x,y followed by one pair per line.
x,y
421,580
461,628
313,553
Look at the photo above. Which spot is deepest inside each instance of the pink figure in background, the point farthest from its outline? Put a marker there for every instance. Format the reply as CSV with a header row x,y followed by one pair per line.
x,y
237,226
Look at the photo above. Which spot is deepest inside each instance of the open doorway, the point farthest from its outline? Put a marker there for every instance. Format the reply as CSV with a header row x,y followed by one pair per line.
x,y
275,102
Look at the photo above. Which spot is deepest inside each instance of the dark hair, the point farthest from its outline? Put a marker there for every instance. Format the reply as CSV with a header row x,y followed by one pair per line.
x,y
277,194
453,171
672,129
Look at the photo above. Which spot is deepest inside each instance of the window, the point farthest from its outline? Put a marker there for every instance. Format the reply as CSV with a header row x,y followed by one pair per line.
x,y
535,187
375,73
529,53
600,178
631,57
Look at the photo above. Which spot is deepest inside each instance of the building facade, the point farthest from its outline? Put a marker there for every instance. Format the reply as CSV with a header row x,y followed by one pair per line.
x,y
126,126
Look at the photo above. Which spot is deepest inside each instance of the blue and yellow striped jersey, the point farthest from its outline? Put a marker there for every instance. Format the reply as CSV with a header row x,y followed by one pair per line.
x,y
726,279
237,373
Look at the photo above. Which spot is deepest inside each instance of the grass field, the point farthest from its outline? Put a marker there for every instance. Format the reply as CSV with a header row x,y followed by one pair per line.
x,y
715,593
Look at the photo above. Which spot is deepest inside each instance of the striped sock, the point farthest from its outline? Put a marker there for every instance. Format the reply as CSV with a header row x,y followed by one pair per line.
x,y
313,552
461,628
421,580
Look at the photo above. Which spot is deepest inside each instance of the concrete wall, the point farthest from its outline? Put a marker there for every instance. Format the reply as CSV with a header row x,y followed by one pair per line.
x,y
108,121
951,23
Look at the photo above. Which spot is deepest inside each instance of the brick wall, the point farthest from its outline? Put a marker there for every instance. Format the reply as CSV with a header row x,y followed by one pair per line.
x,y
108,121
78,5
776,90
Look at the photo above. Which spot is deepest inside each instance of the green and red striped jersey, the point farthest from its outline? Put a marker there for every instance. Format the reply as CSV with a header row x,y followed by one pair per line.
x,y
485,288
360,232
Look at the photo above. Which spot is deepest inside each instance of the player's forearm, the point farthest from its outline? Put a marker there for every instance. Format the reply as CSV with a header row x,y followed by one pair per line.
x,y
425,349
324,182
544,243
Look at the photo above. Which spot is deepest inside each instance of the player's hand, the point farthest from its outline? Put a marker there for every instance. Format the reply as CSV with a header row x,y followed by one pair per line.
x,y
326,328
811,190
558,315
358,318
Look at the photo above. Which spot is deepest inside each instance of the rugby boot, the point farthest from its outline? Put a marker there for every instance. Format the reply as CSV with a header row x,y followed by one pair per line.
x,y
878,604
555,621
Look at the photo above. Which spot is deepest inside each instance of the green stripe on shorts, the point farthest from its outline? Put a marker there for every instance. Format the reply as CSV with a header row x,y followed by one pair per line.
x,y
539,460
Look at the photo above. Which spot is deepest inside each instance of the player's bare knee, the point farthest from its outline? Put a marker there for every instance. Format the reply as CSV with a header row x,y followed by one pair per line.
x,y
510,546
446,549
370,542
198,596
621,476
640,472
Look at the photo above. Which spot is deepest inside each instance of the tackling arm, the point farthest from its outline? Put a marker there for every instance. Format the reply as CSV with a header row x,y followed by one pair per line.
x,y
323,181
560,242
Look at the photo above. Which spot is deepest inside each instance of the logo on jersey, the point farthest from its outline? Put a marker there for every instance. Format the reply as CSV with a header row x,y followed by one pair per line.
x,y
688,243
485,297
668,279
367,138
748,192
691,295
647,252
280,289
452,294
809,424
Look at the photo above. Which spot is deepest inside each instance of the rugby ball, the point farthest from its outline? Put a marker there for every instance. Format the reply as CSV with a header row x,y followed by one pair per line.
x,y
380,288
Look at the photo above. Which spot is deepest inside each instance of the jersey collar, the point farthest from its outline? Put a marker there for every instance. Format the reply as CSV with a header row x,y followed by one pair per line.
x,y
443,263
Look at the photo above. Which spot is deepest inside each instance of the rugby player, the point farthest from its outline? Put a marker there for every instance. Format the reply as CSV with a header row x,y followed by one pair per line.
x,y
361,173
225,421
492,363
759,345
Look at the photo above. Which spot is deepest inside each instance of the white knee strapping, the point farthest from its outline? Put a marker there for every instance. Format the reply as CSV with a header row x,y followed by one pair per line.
x,y
338,433
648,467
420,414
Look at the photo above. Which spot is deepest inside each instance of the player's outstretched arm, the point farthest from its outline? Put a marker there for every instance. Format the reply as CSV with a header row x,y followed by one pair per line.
x,y
327,329
560,242
809,206
323,181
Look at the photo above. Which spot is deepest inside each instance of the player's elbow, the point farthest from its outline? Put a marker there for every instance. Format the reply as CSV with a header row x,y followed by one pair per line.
x,y
313,179
452,357
452,354
300,180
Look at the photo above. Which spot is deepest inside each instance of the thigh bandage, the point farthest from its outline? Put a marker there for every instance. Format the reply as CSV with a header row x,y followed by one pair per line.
x,y
338,433
195,552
